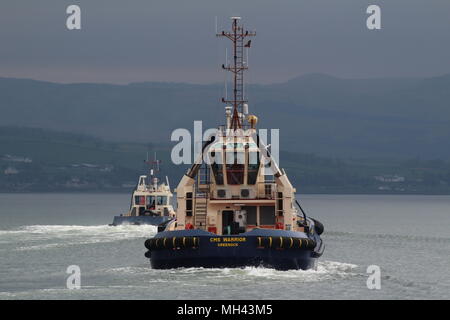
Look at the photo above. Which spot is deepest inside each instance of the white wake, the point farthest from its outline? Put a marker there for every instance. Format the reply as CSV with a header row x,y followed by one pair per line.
x,y
37,237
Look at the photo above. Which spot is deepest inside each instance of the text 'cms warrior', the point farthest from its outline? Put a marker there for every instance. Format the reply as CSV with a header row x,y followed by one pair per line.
x,y
235,206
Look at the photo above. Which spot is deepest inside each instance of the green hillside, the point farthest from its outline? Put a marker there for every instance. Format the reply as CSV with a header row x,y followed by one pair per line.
x,y
37,160
69,162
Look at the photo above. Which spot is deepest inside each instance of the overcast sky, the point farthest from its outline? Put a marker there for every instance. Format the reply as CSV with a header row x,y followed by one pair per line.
x,y
124,41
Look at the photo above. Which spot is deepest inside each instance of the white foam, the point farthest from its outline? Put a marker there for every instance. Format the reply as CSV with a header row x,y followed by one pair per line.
x,y
39,237
325,270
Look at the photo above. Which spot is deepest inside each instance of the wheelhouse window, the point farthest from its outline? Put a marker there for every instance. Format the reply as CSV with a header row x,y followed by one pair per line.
x,y
139,200
253,167
235,165
151,201
161,200
217,166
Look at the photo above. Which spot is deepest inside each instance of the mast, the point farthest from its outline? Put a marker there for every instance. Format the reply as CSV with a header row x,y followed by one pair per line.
x,y
237,35
154,170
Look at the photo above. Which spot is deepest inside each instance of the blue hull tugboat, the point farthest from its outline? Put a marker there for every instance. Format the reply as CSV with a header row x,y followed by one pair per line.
x,y
235,206
150,203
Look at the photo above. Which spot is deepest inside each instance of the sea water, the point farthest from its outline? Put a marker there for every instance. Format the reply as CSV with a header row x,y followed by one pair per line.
x,y
41,235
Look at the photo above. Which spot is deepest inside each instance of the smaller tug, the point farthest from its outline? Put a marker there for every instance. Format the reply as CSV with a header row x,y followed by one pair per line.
x,y
235,206
150,202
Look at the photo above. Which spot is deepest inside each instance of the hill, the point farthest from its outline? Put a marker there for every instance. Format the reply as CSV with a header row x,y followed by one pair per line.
x,y
320,114
37,160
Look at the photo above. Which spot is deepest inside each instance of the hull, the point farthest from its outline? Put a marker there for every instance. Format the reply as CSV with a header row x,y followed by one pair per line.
x,y
278,249
138,220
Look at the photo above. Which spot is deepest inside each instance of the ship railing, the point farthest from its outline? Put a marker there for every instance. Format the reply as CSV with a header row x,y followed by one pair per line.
x,y
223,128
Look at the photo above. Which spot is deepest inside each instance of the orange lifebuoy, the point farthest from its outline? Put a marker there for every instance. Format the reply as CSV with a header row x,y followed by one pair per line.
x,y
189,226
279,225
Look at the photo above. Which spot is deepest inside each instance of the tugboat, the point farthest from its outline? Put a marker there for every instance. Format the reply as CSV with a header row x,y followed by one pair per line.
x,y
150,203
235,206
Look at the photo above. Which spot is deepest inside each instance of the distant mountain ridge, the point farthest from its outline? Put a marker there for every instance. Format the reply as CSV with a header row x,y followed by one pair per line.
x,y
400,118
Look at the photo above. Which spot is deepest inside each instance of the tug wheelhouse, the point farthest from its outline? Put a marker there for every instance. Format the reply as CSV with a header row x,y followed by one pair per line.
x,y
233,193
150,202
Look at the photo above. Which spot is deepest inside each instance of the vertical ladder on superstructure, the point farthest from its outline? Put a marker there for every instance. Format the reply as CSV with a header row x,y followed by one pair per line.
x,y
200,211
201,197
